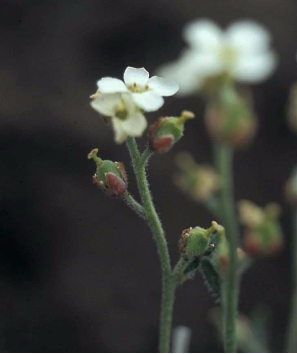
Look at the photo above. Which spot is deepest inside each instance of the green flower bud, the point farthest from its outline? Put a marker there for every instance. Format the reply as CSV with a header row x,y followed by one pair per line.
x,y
195,242
164,133
229,118
262,234
110,176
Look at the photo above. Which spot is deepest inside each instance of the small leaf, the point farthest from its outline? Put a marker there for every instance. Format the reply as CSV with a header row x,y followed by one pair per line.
x,y
211,277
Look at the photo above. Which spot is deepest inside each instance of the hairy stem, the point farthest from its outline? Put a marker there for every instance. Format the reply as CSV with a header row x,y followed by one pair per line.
x,y
292,329
168,282
133,204
230,289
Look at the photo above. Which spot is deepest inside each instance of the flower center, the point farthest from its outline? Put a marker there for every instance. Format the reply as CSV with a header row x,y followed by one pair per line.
x,y
138,89
121,111
228,55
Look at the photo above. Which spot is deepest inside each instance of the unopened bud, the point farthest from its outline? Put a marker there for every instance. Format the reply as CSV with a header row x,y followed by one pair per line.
x,y
200,182
164,133
262,235
195,241
230,119
110,176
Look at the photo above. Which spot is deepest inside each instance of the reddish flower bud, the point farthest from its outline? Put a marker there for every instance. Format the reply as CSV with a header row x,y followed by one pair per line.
x,y
166,131
110,176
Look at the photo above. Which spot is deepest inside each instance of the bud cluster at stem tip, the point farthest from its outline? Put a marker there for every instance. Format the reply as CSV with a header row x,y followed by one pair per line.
x,y
110,176
164,133
262,233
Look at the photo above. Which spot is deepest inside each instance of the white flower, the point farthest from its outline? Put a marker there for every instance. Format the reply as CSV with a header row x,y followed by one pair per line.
x,y
146,92
242,51
126,119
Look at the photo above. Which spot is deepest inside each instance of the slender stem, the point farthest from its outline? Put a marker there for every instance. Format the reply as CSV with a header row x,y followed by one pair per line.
x,y
230,288
292,329
168,282
133,204
146,155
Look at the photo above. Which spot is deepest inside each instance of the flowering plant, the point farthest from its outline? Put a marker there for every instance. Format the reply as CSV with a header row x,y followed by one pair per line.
x,y
215,62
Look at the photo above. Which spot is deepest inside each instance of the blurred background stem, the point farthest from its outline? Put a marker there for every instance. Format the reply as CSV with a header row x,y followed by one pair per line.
x,y
230,288
168,281
292,329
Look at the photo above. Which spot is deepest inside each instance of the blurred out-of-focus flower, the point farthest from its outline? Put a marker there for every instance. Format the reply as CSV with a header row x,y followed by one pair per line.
x,y
262,234
242,52
200,182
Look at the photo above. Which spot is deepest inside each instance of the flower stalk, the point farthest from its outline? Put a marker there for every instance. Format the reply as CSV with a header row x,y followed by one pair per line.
x,y
230,287
168,281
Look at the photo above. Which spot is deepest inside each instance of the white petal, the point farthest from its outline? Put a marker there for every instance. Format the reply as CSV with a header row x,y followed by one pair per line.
x,y
255,68
106,104
191,69
247,36
135,125
202,34
162,86
120,133
129,103
136,76
149,101
111,85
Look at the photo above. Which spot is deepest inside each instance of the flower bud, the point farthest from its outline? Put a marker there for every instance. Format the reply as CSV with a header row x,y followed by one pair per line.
x,y
262,234
164,133
195,242
291,189
230,119
200,182
110,176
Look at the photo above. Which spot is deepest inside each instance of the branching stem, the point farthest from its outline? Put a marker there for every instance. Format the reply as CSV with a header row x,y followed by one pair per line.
x,y
168,282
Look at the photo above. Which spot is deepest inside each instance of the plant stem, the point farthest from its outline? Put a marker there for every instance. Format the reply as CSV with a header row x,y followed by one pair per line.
x,y
292,329
230,288
168,282
133,204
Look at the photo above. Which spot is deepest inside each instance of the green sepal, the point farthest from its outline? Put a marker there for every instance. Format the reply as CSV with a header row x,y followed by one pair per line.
x,y
170,126
106,167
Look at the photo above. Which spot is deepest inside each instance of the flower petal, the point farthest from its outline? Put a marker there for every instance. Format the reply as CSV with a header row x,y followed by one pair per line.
x,y
120,133
106,104
202,34
135,125
255,68
247,36
191,69
135,76
149,101
162,86
111,85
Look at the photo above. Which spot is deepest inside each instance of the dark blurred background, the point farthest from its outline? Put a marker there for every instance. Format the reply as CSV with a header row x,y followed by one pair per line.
x,y
79,272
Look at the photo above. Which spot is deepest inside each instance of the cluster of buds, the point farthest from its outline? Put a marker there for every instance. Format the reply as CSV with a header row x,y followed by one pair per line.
x,y
229,117
167,131
200,182
262,234
110,176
